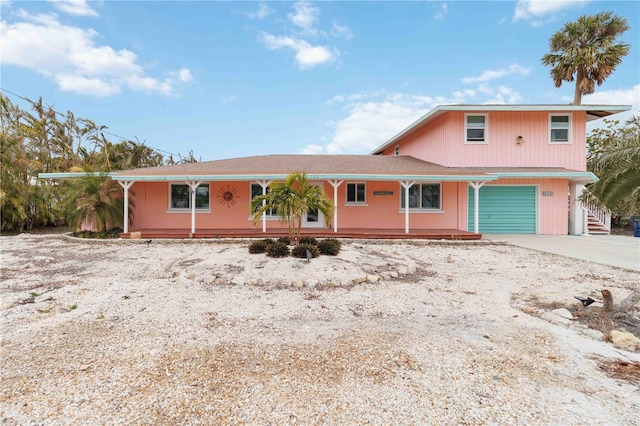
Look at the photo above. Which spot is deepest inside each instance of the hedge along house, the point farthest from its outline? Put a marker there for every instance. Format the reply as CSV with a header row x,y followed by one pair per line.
x,y
464,169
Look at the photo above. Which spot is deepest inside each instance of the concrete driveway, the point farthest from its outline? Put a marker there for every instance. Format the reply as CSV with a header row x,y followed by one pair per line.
x,y
614,250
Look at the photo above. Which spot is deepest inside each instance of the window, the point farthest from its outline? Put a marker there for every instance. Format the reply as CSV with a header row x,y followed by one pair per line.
x,y
256,190
181,197
559,128
356,193
425,196
396,151
476,128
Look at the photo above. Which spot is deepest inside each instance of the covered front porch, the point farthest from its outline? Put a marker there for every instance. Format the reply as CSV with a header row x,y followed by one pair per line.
x,y
359,233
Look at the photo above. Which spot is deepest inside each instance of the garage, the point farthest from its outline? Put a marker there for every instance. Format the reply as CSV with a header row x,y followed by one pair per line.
x,y
506,209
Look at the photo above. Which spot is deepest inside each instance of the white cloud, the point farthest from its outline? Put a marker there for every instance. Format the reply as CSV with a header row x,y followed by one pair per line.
x,y
442,12
615,97
74,7
312,149
262,12
307,55
343,31
537,11
305,16
70,56
493,74
228,100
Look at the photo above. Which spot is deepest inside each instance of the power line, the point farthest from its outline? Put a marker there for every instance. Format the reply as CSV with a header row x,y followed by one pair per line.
x,y
84,120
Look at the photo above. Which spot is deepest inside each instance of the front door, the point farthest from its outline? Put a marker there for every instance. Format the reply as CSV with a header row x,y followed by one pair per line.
x,y
313,219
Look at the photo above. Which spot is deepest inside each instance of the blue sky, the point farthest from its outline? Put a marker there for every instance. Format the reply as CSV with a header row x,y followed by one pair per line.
x,y
233,79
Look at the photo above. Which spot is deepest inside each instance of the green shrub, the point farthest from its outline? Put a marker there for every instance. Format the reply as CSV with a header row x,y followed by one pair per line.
x,y
300,251
285,240
259,246
329,246
277,249
308,240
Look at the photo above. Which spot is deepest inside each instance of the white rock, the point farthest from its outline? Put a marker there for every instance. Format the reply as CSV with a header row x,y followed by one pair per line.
x,y
298,283
393,274
563,313
373,278
555,319
238,280
624,340
594,334
311,282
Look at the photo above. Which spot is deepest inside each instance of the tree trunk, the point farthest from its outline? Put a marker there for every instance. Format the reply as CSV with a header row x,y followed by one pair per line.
x,y
607,301
577,95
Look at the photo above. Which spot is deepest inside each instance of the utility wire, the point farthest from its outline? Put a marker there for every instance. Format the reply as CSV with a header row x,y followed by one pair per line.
x,y
84,120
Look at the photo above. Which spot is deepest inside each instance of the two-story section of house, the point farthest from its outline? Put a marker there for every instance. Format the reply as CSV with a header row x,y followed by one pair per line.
x,y
537,152
459,171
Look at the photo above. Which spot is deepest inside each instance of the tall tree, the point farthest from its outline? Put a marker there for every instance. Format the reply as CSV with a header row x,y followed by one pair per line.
x,y
292,199
586,51
616,162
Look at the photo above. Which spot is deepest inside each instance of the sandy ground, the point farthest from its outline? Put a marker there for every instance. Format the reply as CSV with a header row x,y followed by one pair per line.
x,y
184,332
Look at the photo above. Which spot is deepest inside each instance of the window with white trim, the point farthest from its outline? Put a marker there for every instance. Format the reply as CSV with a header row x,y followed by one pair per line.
x,y
559,128
256,190
356,193
476,127
423,196
180,197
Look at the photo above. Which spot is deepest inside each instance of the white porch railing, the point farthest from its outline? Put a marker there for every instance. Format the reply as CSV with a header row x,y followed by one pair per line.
x,y
602,215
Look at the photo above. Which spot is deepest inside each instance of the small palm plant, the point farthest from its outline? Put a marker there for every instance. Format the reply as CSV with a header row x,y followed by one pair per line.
x,y
292,199
94,201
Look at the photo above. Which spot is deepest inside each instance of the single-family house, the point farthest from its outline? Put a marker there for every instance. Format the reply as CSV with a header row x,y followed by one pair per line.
x,y
457,172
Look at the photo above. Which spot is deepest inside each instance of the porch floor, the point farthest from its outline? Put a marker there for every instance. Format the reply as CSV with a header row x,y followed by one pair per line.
x,y
425,234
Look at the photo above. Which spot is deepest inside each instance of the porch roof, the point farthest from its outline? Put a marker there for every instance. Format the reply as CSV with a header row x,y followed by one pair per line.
x,y
327,167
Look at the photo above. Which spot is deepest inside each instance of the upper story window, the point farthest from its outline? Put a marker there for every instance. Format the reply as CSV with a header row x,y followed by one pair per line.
x,y
180,197
476,128
559,128
256,190
423,196
356,193
396,151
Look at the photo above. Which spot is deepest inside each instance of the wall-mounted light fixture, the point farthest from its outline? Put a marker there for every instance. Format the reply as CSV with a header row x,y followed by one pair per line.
x,y
519,140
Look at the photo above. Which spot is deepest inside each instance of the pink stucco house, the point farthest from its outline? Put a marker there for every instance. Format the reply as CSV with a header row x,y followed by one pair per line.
x,y
464,169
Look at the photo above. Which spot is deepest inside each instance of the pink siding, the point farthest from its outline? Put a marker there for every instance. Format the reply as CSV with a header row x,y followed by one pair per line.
x,y
151,200
442,142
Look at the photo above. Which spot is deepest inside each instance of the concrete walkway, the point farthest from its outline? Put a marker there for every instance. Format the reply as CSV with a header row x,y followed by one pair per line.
x,y
614,250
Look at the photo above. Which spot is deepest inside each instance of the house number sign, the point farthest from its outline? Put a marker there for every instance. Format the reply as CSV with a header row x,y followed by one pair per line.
x,y
547,193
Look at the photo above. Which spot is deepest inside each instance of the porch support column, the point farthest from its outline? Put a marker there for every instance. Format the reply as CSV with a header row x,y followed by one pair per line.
x,y
335,183
576,210
406,185
264,184
476,204
126,185
193,186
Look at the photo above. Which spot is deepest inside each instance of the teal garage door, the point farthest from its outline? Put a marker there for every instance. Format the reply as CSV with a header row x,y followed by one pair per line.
x,y
505,210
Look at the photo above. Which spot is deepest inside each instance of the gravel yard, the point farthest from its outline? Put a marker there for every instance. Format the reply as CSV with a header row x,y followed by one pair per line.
x,y
202,332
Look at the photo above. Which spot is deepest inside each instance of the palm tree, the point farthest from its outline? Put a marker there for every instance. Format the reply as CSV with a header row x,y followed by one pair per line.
x,y
585,50
93,201
292,199
618,169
